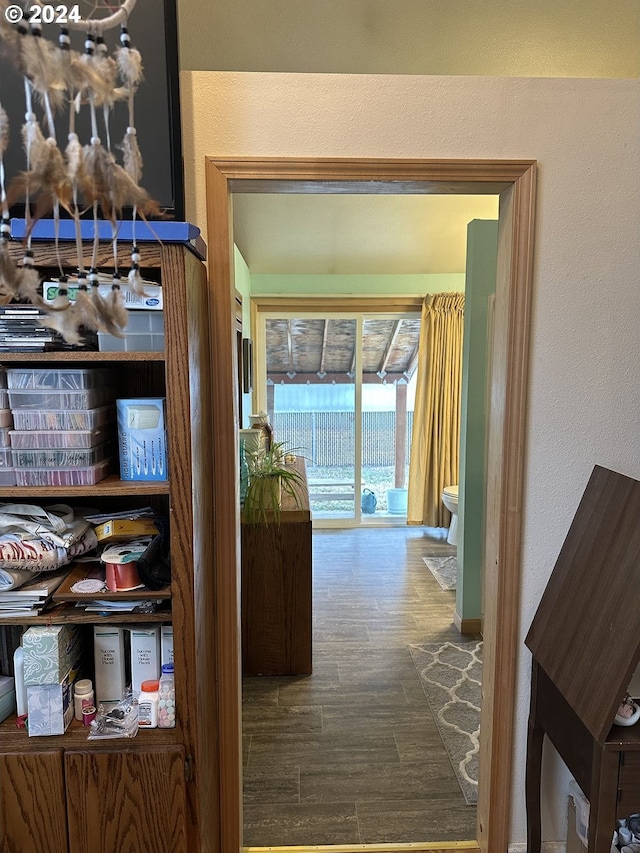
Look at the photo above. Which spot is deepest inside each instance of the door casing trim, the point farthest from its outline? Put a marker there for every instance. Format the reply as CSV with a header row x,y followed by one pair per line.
x,y
515,182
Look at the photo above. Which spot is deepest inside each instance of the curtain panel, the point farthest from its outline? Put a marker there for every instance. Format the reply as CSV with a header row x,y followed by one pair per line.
x,y
435,446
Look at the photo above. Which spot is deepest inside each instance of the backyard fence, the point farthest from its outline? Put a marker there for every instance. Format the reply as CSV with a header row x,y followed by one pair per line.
x,y
327,439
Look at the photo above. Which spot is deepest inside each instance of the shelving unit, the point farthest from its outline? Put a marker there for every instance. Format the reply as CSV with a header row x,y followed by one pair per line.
x,y
585,641
153,792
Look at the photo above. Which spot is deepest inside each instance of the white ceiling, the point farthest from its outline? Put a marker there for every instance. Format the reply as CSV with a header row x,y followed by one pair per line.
x,y
356,234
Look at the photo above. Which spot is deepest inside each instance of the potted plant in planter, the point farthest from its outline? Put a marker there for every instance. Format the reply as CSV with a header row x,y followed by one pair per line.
x,y
268,477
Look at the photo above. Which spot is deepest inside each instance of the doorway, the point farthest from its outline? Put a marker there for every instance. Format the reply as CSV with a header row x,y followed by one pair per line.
x,y
514,181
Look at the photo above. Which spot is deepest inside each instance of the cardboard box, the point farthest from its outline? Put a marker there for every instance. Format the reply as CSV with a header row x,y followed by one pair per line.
x,y
145,655
150,300
166,643
110,674
50,706
121,529
141,438
50,651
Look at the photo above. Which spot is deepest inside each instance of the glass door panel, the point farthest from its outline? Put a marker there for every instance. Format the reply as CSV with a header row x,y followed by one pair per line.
x,y
312,400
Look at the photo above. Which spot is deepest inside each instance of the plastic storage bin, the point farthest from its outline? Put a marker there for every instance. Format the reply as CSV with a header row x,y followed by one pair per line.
x,y
74,457
63,379
5,437
59,400
5,458
63,477
27,419
7,477
144,333
4,399
50,439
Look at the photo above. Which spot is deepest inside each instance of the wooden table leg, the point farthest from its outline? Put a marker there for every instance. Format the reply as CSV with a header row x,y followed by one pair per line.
x,y
604,792
535,740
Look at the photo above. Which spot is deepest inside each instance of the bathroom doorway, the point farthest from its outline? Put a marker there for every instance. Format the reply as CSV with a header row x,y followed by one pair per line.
x,y
515,182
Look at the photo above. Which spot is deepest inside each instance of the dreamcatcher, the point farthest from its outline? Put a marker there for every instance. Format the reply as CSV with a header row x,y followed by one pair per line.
x,y
87,175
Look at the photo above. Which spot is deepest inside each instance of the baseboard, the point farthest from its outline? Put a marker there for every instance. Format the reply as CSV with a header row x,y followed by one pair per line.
x,y
467,626
547,847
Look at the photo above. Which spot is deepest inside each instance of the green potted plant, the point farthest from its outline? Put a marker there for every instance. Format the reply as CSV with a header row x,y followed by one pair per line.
x,y
268,478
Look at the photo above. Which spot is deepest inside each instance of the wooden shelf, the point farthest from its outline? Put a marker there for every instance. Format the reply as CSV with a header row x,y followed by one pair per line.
x,y
45,357
76,736
80,571
75,616
111,485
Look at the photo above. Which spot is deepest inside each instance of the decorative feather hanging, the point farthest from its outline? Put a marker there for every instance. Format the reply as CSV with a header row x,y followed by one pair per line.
x,y
8,270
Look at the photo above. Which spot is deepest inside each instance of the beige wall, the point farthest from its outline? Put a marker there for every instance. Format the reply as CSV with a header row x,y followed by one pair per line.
x,y
584,404
551,38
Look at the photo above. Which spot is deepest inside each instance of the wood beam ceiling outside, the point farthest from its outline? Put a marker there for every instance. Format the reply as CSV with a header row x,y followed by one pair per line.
x,y
392,342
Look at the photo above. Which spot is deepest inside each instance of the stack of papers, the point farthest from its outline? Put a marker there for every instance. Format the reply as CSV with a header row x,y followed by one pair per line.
x,y
30,598
108,607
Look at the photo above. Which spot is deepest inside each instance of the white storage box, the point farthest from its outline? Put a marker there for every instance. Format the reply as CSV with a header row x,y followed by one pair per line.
x,y
145,656
108,648
166,641
141,438
143,333
50,706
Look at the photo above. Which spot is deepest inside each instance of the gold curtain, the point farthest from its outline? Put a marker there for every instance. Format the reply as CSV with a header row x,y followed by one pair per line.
x,y
435,444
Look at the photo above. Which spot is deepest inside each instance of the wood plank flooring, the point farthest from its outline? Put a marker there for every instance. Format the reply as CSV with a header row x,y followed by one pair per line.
x,y
351,754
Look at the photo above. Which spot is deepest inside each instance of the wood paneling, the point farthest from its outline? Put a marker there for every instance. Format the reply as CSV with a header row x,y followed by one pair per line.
x,y
32,802
515,180
126,801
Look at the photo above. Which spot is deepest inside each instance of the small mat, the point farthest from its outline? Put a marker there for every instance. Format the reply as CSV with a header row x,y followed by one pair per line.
x,y
451,677
444,570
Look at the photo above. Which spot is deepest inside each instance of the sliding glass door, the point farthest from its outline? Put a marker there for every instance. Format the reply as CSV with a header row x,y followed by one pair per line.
x,y
337,388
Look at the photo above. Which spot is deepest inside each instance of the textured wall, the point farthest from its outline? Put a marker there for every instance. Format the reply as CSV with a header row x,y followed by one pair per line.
x,y
583,38
584,403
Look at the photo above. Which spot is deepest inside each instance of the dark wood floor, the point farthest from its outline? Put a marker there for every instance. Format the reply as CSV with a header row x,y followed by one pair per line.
x,y
351,754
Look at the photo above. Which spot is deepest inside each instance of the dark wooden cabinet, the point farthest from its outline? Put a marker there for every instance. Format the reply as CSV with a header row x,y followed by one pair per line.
x,y
276,591
585,641
159,790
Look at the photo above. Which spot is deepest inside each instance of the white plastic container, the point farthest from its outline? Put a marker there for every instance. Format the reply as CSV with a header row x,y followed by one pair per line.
x,y
62,477
62,379
60,400
5,458
75,457
83,697
167,698
144,333
148,704
57,438
26,419
7,477
5,438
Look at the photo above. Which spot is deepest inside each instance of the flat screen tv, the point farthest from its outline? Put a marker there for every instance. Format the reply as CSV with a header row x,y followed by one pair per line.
x,y
153,30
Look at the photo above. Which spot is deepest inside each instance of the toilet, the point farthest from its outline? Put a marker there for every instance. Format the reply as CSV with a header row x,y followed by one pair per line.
x,y
450,500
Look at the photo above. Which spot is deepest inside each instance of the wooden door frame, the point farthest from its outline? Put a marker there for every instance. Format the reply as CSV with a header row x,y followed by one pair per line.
x,y
515,183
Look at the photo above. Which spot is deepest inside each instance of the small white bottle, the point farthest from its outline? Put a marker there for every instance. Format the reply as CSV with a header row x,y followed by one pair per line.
x,y
83,697
166,698
148,704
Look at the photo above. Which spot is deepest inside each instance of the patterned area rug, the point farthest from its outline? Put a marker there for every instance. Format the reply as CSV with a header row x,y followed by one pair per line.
x,y
444,570
451,677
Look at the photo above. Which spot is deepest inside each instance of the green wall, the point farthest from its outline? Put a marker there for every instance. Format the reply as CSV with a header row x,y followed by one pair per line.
x,y
482,249
263,284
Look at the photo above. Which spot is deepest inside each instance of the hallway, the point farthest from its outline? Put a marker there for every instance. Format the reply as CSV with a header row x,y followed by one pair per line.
x,y
352,754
